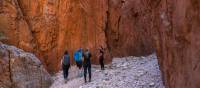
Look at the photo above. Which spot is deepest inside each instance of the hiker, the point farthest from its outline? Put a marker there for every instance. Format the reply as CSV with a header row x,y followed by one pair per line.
x,y
65,64
101,58
87,64
78,59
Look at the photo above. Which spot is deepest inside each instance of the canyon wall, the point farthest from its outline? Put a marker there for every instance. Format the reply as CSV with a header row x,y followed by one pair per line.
x,y
49,27
123,27
178,43
130,27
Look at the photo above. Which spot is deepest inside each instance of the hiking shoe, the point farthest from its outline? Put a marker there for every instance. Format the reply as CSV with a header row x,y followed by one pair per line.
x,y
66,80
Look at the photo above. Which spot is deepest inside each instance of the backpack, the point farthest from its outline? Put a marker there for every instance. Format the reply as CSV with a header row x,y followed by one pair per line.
x,y
78,55
66,60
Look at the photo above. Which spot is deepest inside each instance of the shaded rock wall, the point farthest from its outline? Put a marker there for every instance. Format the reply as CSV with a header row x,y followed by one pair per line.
x,y
131,26
178,43
19,69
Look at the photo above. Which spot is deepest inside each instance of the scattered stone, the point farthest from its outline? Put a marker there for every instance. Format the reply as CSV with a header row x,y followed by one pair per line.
x,y
125,73
152,84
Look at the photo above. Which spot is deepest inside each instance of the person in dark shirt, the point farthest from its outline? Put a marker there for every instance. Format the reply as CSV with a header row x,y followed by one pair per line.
x,y
87,64
65,64
101,58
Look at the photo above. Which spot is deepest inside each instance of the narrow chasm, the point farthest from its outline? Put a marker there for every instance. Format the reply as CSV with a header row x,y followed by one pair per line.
x,y
142,43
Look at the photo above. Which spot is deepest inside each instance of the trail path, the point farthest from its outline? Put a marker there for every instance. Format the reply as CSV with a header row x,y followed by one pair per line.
x,y
127,72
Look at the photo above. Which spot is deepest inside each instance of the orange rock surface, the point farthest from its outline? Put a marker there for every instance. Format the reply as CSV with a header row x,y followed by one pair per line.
x,y
49,27
123,27
130,27
178,43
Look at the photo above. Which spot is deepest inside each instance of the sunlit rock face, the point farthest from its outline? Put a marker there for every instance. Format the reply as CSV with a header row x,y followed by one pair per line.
x,y
49,27
178,43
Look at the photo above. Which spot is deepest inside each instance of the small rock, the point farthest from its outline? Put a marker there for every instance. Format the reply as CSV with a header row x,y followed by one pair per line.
x,y
142,57
152,84
106,79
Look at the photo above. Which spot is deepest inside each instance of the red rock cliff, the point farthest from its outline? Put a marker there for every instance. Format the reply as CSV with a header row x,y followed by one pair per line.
x,y
123,27
130,27
178,43
48,27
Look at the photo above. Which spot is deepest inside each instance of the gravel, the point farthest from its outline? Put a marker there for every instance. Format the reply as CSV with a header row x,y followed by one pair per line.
x,y
126,72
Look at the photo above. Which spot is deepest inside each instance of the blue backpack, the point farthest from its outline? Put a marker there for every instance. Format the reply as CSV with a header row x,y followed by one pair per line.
x,y
78,55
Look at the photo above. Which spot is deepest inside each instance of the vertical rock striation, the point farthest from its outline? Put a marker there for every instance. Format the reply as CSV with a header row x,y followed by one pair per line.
x,y
131,26
178,43
123,27
49,27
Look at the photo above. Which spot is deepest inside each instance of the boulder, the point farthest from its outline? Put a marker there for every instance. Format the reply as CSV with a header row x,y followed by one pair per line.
x,y
19,69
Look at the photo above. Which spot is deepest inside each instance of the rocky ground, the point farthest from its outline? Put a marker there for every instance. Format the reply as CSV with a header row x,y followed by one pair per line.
x,y
127,72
